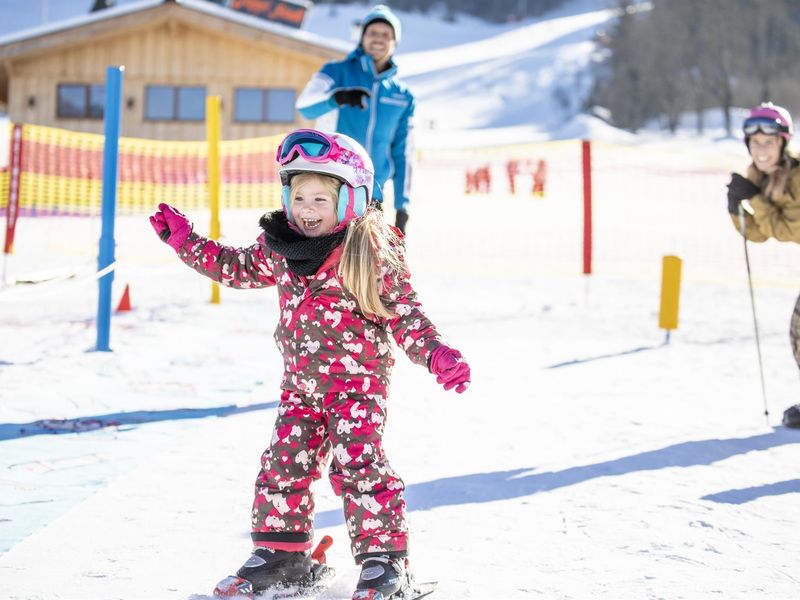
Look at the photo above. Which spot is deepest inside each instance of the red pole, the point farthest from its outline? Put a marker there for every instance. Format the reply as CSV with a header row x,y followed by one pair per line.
x,y
14,173
587,206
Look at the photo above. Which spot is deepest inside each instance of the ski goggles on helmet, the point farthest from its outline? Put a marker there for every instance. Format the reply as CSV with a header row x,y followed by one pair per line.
x,y
314,146
764,125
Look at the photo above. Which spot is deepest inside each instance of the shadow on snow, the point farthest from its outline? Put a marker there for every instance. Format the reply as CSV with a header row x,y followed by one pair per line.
x,y
578,361
11,431
791,486
503,485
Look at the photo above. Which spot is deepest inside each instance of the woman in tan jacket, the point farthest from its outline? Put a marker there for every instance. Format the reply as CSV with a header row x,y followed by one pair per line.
x,y
769,198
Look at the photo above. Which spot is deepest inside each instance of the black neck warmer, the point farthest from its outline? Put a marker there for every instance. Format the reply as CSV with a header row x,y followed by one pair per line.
x,y
304,255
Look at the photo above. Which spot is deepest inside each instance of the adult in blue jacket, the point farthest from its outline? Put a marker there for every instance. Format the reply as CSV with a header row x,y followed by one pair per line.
x,y
362,96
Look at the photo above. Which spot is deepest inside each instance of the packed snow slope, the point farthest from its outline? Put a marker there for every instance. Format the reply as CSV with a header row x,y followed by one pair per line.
x,y
588,459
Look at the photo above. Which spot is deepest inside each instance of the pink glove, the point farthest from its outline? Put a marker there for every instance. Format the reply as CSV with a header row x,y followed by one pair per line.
x,y
450,368
171,225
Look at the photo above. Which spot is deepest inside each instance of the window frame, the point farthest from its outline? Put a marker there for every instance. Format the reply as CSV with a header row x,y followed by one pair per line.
x,y
264,116
176,105
86,109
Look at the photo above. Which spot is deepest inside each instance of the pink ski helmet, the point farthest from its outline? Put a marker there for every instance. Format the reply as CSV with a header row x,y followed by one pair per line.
x,y
769,119
334,154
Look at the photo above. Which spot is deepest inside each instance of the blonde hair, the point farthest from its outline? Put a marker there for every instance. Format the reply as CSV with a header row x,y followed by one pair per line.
x,y
331,185
372,253
371,259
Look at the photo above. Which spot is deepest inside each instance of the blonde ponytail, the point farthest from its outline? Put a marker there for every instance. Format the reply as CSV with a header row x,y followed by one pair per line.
x,y
371,252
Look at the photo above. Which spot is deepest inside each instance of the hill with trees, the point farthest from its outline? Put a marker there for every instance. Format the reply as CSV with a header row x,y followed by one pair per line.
x,y
667,57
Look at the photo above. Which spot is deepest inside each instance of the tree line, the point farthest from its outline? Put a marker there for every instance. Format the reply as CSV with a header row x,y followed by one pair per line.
x,y
668,57
496,11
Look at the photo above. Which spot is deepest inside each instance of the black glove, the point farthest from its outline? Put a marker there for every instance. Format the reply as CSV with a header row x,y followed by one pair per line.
x,y
400,220
352,97
740,188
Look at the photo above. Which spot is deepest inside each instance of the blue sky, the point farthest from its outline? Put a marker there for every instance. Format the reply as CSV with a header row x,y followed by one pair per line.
x,y
23,14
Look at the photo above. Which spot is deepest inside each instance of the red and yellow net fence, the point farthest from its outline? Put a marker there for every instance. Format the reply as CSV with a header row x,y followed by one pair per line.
x,y
647,200
61,173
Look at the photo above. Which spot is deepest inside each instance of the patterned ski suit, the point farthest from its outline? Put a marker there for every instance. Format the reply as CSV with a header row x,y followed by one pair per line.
x,y
337,364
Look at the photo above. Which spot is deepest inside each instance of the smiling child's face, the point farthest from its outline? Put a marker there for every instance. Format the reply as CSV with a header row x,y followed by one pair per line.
x,y
314,208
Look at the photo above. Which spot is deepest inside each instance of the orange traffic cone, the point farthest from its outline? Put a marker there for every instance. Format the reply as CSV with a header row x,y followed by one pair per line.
x,y
125,301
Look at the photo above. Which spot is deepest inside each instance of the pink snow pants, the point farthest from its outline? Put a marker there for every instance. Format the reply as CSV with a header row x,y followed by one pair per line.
x,y
310,428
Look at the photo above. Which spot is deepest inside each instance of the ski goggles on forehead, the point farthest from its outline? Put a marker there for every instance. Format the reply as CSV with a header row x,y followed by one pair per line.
x,y
764,125
312,145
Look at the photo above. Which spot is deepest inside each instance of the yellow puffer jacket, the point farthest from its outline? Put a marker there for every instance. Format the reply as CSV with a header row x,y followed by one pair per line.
x,y
776,209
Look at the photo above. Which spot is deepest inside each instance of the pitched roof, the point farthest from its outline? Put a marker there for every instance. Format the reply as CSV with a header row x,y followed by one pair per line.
x,y
21,42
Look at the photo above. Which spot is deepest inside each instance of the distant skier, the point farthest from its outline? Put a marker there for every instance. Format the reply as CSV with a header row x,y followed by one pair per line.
x,y
343,289
363,97
770,197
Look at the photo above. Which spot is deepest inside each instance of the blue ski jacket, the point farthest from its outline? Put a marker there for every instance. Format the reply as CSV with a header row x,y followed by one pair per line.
x,y
384,127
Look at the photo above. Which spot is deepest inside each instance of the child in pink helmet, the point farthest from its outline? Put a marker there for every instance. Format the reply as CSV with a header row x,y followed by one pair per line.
x,y
343,290
768,197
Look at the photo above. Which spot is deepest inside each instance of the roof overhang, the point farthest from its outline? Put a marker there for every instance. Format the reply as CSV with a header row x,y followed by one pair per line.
x,y
145,13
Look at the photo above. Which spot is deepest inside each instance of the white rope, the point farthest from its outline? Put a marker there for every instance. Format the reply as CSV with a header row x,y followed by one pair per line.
x,y
21,291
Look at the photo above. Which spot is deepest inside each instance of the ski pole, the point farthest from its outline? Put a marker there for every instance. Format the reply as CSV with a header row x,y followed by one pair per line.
x,y
743,226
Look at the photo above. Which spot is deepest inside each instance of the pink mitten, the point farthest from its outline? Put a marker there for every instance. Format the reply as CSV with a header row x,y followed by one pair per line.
x,y
171,225
451,370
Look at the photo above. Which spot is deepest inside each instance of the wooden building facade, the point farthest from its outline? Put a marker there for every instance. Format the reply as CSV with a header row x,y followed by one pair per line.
x,y
175,53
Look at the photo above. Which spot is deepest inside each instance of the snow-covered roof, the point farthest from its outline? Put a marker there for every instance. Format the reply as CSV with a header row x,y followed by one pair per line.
x,y
201,6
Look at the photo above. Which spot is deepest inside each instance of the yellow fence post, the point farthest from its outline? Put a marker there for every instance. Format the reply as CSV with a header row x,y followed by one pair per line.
x,y
670,294
213,134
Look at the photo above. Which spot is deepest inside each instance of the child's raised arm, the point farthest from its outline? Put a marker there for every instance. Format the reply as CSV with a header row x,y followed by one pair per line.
x,y
417,336
234,267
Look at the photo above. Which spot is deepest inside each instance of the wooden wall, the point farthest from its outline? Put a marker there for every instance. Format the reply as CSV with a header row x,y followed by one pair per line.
x,y
165,52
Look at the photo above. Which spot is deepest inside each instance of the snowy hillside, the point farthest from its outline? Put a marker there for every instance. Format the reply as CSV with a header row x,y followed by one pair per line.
x,y
525,81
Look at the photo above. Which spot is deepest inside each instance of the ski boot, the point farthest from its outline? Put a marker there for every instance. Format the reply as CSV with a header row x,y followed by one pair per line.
x,y
791,417
383,577
268,569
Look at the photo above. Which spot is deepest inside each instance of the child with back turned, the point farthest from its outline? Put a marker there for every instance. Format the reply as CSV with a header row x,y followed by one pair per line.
x,y
343,289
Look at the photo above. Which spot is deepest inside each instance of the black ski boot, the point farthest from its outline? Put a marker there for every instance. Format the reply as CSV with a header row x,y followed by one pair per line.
x,y
382,577
267,568
791,417
400,220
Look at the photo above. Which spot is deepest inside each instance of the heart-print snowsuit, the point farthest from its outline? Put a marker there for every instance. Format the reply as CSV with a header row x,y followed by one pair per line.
x,y
337,365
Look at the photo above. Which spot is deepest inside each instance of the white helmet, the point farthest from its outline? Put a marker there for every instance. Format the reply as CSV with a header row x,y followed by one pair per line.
x,y
334,154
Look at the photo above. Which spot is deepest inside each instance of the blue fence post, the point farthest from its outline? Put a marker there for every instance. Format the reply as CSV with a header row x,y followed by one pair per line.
x,y
105,255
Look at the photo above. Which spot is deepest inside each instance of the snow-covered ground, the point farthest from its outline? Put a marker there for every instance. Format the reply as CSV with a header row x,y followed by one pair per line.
x,y
588,459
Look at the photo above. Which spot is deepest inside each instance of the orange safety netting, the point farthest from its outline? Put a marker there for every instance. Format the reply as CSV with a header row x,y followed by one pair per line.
x,y
62,173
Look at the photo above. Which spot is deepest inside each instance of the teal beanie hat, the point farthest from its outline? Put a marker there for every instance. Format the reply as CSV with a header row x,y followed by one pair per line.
x,y
381,12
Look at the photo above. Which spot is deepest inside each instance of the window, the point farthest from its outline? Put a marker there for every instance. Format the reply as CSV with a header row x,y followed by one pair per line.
x,y
80,101
172,103
258,105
